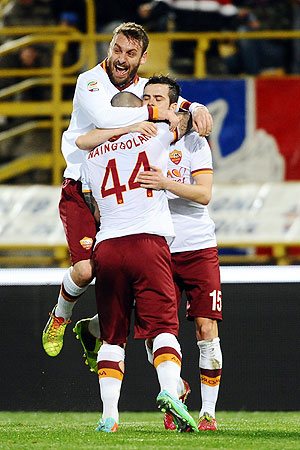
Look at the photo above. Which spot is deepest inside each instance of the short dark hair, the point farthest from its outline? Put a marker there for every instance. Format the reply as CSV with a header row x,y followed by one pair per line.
x,y
174,88
133,31
126,99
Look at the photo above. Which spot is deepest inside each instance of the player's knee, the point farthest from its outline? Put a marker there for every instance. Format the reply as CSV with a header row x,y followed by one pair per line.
x,y
206,329
82,273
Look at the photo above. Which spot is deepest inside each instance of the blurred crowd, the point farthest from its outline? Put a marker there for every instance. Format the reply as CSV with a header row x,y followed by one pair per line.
x,y
245,56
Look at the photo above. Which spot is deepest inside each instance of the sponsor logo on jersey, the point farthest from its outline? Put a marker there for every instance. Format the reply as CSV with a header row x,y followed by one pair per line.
x,y
93,86
176,156
86,242
174,173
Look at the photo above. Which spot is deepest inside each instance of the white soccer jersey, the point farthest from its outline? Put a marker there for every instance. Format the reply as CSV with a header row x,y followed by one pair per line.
x,y
92,109
110,174
194,228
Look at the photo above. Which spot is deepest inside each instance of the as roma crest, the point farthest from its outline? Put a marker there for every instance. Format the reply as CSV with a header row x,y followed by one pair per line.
x,y
86,243
176,156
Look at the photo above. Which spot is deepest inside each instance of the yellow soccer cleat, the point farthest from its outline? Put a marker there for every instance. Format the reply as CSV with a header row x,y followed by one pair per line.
x,y
53,334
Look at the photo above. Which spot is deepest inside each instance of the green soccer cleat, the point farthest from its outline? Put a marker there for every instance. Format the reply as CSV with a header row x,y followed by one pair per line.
x,y
53,334
109,426
89,343
177,410
168,420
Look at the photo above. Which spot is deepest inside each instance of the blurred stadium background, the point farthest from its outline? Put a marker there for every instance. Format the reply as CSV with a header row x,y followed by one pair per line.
x,y
256,208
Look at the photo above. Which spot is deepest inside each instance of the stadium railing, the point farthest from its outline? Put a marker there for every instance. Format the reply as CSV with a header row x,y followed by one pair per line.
x,y
57,76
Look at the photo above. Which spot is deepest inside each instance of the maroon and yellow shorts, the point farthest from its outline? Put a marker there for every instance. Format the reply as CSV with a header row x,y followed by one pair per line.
x,y
134,272
197,273
78,221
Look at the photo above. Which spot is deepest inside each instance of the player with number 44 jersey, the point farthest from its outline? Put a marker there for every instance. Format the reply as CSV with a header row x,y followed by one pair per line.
x,y
132,259
110,173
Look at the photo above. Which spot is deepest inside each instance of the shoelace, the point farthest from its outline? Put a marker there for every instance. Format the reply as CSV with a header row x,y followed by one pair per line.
x,y
55,327
207,417
183,396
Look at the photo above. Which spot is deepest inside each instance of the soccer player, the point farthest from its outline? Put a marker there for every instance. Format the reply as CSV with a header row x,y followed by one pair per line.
x,y
195,263
133,263
92,109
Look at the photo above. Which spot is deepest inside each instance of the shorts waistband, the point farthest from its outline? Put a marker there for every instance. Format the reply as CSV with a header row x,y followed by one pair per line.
x,y
135,237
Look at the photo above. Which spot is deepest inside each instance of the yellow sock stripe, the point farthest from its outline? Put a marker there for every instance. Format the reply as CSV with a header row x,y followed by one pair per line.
x,y
112,373
210,381
166,357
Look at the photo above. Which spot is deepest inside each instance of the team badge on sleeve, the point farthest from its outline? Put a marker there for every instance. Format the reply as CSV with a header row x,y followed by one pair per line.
x,y
93,86
86,242
176,156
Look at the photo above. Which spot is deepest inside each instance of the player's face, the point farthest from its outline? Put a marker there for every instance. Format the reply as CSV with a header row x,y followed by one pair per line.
x,y
158,95
124,58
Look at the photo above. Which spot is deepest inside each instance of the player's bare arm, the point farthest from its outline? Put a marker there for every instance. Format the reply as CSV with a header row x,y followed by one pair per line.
x,y
92,138
202,119
200,192
185,123
92,204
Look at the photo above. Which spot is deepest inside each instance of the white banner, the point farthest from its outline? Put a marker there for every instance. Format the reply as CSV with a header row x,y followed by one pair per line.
x,y
29,215
236,274
253,213
256,213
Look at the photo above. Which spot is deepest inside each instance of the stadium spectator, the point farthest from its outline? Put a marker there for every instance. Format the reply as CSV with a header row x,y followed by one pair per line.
x,y
92,109
27,13
156,16
256,56
70,13
20,13
34,141
111,14
197,16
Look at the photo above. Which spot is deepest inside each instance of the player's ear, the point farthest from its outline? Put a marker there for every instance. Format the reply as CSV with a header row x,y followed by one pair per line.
x,y
144,58
173,106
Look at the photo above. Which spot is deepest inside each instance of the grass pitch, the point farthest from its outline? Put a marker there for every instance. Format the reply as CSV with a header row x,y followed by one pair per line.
x,y
237,430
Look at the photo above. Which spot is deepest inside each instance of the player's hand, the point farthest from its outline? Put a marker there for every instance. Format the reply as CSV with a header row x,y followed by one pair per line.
x,y
173,119
202,121
146,128
152,179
